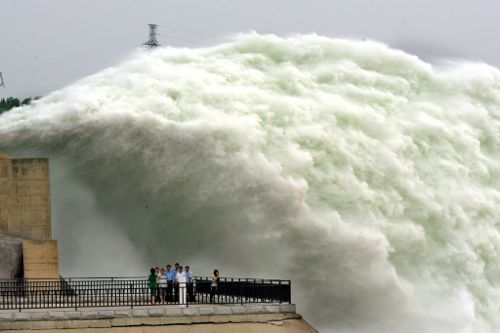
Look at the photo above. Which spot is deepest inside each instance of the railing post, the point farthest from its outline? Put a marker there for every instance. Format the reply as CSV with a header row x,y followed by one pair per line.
x,y
289,292
254,290
131,297
68,295
18,297
241,291
280,291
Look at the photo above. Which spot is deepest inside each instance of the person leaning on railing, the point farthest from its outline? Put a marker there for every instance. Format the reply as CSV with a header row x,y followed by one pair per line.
x,y
153,284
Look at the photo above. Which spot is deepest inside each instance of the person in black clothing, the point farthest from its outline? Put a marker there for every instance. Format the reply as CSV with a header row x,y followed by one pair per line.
x,y
214,285
176,285
189,281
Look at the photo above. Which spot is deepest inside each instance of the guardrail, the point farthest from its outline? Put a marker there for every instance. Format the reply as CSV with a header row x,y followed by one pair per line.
x,y
122,291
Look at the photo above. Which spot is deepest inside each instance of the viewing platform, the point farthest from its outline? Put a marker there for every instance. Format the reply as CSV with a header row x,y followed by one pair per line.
x,y
124,304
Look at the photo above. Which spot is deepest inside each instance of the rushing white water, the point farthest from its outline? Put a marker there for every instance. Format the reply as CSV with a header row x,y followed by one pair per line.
x,y
363,174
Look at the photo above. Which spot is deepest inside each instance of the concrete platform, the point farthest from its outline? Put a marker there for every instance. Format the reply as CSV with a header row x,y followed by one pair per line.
x,y
272,316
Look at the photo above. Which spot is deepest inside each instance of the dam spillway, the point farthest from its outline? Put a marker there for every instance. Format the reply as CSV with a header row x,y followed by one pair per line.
x,y
363,163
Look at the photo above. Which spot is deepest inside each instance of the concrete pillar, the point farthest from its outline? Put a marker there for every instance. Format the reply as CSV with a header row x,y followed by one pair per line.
x,y
40,259
25,198
25,215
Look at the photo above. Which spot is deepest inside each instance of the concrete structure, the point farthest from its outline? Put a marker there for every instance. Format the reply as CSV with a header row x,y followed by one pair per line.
x,y
25,216
200,318
25,198
40,259
11,257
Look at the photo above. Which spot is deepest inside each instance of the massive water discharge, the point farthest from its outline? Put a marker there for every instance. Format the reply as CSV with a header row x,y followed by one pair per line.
x,y
364,175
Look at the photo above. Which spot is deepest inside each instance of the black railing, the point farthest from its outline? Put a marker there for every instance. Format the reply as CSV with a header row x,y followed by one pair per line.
x,y
111,292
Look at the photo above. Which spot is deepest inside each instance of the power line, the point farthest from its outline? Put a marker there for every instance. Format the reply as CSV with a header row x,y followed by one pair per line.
x,y
176,38
186,31
152,42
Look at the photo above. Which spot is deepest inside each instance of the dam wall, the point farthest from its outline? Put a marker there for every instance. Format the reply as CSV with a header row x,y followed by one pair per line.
x,y
199,318
26,246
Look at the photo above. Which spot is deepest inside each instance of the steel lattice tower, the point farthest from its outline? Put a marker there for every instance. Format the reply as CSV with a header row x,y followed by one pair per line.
x,y
152,42
2,84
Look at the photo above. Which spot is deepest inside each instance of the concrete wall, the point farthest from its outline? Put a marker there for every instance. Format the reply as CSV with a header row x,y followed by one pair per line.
x,y
25,198
40,259
272,318
280,326
25,215
11,257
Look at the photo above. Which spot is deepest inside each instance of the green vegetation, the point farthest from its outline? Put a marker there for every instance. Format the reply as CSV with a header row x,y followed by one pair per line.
x,y
11,102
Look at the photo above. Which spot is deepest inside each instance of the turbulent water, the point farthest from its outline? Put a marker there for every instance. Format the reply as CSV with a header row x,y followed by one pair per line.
x,y
364,175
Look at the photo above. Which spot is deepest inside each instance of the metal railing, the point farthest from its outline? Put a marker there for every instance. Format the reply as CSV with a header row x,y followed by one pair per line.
x,y
121,291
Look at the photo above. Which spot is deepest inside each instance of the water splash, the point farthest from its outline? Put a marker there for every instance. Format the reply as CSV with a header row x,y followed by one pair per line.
x,y
358,171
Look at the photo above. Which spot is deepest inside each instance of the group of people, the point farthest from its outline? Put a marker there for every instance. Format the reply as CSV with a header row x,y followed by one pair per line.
x,y
176,285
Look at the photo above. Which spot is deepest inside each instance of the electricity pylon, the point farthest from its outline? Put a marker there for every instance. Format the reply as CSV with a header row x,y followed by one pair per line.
x,y
2,84
152,42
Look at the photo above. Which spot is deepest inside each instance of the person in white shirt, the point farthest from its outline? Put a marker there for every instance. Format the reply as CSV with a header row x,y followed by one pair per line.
x,y
181,281
163,285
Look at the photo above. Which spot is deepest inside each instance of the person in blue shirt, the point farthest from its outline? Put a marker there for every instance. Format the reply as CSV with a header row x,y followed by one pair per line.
x,y
171,278
189,284
170,273
176,285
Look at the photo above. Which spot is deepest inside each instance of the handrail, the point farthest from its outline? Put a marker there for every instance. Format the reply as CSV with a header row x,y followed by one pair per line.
x,y
132,278
126,291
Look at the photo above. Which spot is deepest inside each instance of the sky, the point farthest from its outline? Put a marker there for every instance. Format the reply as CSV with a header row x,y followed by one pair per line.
x,y
46,45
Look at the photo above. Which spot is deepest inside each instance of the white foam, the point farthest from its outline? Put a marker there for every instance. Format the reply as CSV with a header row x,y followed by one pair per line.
x,y
358,171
